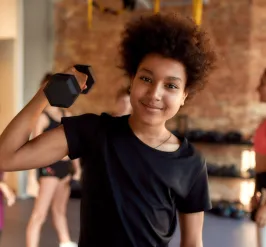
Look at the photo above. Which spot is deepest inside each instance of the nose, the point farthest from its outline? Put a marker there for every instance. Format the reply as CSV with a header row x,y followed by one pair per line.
x,y
155,91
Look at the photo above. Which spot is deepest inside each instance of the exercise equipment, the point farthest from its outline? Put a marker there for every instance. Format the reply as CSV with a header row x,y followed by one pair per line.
x,y
197,11
157,4
233,137
195,135
90,7
227,209
228,170
63,89
213,137
237,210
128,5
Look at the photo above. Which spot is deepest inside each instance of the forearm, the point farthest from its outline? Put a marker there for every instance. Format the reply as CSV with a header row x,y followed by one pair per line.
x,y
199,244
4,187
191,227
18,132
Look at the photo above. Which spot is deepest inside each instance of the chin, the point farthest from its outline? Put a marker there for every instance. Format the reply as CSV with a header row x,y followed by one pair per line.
x,y
149,119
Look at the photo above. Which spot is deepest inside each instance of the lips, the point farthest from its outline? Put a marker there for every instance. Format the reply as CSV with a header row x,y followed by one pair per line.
x,y
150,106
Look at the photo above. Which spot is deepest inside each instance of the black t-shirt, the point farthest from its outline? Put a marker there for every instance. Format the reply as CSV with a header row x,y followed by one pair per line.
x,y
131,192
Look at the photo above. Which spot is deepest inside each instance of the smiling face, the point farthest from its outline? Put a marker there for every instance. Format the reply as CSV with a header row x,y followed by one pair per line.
x,y
158,89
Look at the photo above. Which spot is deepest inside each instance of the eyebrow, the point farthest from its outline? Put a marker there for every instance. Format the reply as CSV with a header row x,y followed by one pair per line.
x,y
147,70
173,78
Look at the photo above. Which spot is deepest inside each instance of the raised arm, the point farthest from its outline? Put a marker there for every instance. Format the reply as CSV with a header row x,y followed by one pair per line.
x,y
17,152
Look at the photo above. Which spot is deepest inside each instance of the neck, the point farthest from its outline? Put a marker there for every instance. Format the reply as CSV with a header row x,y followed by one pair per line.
x,y
146,130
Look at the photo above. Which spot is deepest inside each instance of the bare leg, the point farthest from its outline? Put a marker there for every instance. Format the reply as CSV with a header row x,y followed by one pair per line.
x,y
59,208
261,236
42,203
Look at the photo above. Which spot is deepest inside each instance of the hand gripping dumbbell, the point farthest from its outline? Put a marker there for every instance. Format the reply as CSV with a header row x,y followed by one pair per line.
x,y
63,89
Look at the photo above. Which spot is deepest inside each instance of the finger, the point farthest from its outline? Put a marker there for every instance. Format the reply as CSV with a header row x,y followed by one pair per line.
x,y
81,77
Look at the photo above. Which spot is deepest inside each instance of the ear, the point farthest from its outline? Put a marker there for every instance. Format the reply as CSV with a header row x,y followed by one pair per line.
x,y
184,97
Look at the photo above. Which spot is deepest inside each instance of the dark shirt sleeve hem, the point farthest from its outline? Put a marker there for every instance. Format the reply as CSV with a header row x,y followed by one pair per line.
x,y
195,210
71,138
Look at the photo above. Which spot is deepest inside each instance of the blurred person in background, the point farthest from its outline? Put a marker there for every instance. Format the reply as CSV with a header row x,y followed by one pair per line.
x,y
6,193
258,202
54,184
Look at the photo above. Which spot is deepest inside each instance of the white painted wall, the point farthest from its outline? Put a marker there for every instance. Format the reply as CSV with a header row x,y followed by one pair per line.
x,y
37,56
37,44
11,69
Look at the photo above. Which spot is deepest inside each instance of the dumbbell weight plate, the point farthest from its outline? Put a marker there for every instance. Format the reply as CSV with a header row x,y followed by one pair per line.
x,y
63,89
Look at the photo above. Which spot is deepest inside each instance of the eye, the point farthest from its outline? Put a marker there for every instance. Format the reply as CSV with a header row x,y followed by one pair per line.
x,y
171,86
146,79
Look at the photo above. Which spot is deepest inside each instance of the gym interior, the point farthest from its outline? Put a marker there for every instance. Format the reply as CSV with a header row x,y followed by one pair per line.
x,y
40,36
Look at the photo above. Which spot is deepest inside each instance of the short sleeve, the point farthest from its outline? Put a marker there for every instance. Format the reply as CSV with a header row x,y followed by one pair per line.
x,y
80,131
198,199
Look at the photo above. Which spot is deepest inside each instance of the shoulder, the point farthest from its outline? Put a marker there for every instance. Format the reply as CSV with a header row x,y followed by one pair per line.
x,y
263,124
92,121
195,161
85,117
115,122
260,131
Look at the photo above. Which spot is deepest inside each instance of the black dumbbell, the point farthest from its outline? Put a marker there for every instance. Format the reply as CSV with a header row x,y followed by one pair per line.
x,y
63,89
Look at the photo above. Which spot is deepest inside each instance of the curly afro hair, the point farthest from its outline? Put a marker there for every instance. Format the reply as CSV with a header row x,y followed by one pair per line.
x,y
170,36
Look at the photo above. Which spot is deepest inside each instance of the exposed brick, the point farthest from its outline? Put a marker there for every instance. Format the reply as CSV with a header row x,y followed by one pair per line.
x,y
229,102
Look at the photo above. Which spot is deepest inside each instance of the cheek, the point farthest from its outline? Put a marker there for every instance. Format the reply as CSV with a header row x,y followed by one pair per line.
x,y
134,97
173,101
137,91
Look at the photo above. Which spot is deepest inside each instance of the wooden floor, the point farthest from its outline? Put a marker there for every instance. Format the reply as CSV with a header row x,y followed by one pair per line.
x,y
218,232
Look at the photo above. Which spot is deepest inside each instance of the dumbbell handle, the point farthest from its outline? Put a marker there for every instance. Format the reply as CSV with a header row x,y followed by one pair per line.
x,y
86,69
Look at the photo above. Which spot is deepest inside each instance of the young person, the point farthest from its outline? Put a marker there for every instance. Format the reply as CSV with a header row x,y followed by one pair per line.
x,y
138,174
54,184
260,152
258,206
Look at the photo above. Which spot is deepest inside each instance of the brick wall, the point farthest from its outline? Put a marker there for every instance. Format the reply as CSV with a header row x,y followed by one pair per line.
x,y
229,102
